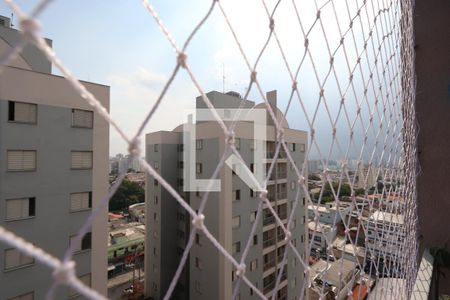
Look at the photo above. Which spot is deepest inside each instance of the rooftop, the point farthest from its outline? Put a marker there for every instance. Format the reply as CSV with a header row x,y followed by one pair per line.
x,y
381,216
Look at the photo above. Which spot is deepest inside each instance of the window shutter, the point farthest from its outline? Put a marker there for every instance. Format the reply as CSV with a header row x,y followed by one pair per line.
x,y
77,160
24,112
12,258
82,118
86,160
29,160
13,209
14,160
75,201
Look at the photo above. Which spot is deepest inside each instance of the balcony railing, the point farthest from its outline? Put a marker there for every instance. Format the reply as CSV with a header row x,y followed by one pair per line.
x,y
268,220
269,264
271,154
269,242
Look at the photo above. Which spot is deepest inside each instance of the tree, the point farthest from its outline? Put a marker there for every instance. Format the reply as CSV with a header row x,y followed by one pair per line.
x,y
328,196
313,177
128,193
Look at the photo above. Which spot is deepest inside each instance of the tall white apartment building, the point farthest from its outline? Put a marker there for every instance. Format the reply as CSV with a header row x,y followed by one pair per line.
x,y
385,235
53,170
230,214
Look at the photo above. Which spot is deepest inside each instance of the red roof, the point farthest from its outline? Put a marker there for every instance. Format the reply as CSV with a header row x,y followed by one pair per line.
x,y
359,292
112,216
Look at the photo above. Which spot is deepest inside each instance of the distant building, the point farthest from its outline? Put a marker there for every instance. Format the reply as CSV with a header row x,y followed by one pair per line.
x,y
229,214
137,212
118,164
52,172
336,281
125,246
328,213
321,235
385,235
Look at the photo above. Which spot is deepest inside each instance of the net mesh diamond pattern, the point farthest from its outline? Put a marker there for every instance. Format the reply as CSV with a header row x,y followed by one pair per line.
x,y
359,59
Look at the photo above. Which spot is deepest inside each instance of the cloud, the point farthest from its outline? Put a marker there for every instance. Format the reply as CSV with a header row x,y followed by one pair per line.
x,y
134,93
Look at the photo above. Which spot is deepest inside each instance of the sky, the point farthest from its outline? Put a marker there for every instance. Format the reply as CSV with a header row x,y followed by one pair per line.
x,y
118,43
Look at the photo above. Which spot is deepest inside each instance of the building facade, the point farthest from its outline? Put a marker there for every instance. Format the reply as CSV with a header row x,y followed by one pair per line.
x,y
53,170
230,213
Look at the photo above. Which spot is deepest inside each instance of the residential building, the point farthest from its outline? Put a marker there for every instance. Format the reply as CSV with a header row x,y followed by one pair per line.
x,y
385,235
230,213
336,280
329,213
321,235
125,247
53,170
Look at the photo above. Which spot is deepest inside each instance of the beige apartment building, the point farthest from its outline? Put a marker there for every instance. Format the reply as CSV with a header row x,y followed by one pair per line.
x,y
230,213
53,171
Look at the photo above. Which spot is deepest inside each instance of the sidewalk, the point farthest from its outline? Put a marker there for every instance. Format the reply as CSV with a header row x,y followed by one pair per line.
x,y
123,278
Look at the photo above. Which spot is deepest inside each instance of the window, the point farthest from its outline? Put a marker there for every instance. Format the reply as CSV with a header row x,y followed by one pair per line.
x,y
82,118
22,112
155,182
198,287
253,265
156,148
23,208
255,240
292,185
237,143
199,144
180,216
303,220
236,247
154,252
180,181
293,224
155,216
156,200
303,201
86,279
236,222
16,259
252,193
302,238
180,234
253,216
21,160
198,168
198,263
237,195
27,296
85,244
302,147
180,165
292,147
156,165
81,160
80,201
180,147
197,239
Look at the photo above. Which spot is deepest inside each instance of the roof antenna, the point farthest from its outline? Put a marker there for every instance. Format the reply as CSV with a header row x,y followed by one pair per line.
x,y
12,19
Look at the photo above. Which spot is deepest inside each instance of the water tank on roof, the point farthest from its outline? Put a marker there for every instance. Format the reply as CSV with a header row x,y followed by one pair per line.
x,y
234,94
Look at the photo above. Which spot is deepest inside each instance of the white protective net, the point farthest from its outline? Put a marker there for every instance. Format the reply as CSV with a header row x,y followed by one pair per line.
x,y
365,170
